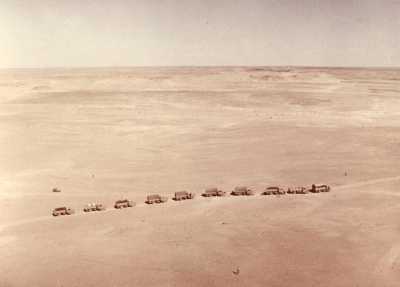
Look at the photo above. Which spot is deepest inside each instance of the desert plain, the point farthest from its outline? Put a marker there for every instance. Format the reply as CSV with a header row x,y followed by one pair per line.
x,y
103,134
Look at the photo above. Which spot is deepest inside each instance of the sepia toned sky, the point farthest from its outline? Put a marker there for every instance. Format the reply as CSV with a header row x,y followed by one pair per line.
x,y
49,33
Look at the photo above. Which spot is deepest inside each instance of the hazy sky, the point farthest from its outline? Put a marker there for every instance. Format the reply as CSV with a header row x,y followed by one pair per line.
x,y
42,33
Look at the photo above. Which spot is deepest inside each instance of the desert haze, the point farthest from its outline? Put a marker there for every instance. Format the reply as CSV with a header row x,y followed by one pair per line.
x,y
104,134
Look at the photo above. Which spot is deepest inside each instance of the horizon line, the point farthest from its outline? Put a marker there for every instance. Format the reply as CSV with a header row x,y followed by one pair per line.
x,y
198,66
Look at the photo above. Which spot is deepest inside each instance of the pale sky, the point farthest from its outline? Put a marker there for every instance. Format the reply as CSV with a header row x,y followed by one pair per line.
x,y
67,33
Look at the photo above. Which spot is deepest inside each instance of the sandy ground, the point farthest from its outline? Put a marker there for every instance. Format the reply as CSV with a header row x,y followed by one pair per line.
x,y
106,134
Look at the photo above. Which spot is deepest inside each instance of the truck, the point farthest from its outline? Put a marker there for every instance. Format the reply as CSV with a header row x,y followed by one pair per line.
x,y
213,191
156,198
93,207
183,195
242,190
124,203
320,188
63,210
276,190
297,190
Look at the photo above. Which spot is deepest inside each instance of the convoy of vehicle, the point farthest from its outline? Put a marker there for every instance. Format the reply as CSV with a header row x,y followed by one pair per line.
x,y
184,195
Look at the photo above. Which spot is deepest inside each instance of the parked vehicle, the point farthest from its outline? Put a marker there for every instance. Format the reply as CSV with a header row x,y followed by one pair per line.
x,y
274,190
301,190
156,198
183,195
297,190
56,189
320,188
123,203
62,211
93,207
242,190
214,191
291,190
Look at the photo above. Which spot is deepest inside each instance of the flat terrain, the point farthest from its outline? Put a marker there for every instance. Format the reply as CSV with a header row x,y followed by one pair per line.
x,y
104,134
